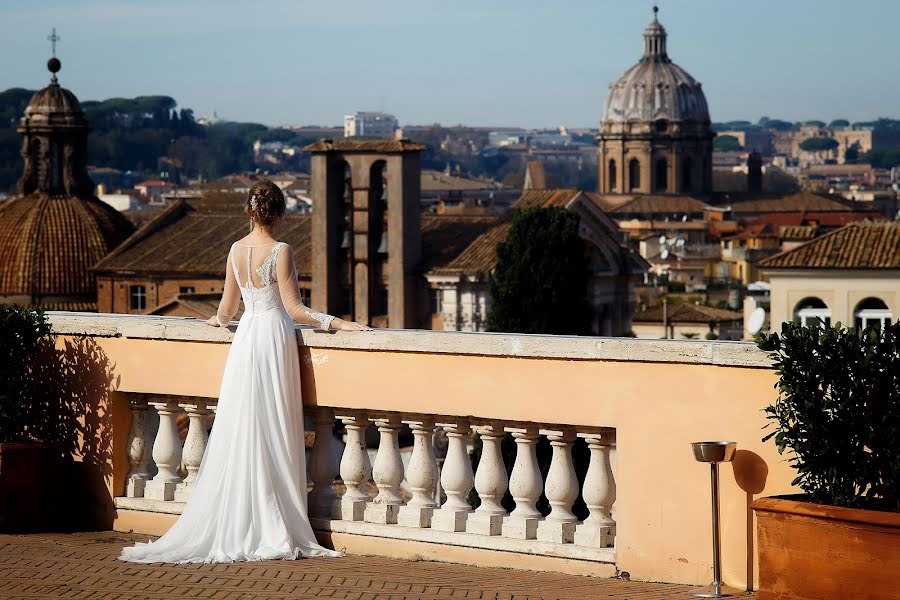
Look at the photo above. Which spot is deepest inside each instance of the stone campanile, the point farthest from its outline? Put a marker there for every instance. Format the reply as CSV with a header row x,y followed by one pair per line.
x,y
365,230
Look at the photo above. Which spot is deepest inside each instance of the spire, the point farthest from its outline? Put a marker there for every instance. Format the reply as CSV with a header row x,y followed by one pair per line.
x,y
655,40
53,65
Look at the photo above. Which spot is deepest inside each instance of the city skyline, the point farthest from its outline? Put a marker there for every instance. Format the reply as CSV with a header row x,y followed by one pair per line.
x,y
525,64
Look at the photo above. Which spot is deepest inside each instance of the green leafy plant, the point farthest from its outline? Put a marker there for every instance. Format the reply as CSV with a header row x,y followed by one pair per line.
x,y
837,415
23,334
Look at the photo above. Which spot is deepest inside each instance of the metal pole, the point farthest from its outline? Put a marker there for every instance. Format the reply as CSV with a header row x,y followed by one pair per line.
x,y
717,566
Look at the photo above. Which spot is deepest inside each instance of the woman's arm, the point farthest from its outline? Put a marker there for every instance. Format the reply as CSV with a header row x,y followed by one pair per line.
x,y
286,271
231,297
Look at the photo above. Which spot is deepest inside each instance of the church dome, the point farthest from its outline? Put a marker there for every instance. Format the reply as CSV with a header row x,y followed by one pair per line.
x,y
655,88
55,230
53,105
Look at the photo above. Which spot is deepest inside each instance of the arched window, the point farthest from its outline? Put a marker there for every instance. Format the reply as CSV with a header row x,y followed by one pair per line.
x,y
872,312
634,175
662,176
687,169
812,311
612,175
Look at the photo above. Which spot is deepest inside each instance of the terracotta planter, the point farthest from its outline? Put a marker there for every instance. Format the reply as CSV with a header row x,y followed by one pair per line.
x,y
813,551
28,471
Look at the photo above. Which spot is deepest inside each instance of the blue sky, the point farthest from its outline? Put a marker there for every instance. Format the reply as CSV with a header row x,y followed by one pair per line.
x,y
477,62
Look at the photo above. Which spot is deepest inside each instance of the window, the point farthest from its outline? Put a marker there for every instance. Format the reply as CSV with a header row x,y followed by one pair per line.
x,y
872,312
687,169
304,296
612,175
662,175
437,304
634,174
812,311
186,289
662,126
138,297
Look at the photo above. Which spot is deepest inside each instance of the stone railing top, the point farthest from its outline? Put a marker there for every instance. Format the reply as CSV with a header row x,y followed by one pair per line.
x,y
734,354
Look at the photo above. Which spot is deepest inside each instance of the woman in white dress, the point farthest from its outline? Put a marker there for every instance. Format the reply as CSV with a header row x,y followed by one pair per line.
x,y
249,498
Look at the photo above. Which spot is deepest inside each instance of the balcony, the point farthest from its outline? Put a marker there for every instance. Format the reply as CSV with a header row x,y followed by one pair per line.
x,y
632,406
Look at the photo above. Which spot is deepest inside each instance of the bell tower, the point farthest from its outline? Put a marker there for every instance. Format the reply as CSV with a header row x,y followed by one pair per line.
x,y
365,228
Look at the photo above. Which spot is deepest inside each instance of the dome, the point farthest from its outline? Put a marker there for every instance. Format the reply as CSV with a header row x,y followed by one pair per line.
x,y
655,88
48,245
53,105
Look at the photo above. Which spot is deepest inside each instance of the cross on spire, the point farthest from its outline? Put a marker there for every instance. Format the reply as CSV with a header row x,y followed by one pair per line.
x,y
53,38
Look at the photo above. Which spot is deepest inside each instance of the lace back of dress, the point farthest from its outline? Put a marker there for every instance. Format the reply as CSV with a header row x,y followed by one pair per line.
x,y
264,296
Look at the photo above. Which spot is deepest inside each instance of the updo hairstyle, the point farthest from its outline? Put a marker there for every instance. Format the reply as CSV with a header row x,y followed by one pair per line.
x,y
265,203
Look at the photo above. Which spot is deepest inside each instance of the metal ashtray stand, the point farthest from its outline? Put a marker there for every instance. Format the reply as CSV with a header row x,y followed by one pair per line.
x,y
715,453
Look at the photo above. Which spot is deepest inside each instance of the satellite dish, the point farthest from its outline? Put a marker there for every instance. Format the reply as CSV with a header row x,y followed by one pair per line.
x,y
680,242
662,240
664,254
684,219
757,320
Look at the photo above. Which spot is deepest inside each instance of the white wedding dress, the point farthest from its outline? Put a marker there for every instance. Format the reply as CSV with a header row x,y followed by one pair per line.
x,y
249,498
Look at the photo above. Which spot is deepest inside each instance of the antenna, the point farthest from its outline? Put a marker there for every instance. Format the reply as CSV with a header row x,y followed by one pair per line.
x,y
757,320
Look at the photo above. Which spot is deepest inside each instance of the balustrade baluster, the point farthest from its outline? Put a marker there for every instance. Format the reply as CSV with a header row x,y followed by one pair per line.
x,y
599,493
387,473
490,483
525,485
166,452
194,446
422,475
561,489
456,480
323,464
355,469
139,447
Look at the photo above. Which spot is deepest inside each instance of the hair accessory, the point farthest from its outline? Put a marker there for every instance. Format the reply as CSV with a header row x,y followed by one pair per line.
x,y
253,202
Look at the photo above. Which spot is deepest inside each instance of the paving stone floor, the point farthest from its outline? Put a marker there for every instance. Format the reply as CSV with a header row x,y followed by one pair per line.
x,y
84,565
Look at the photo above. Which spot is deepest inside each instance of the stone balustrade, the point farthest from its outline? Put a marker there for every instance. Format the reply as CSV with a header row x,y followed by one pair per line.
x,y
584,443
384,498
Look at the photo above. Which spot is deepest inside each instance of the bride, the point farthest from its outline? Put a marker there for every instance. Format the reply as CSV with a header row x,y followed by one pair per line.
x,y
249,498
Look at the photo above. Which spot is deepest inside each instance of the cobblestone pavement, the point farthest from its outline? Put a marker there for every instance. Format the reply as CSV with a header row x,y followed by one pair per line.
x,y
84,565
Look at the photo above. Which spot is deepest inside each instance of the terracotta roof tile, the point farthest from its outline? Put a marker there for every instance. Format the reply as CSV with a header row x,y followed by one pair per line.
x,y
861,245
799,202
559,197
686,313
363,145
480,256
445,237
49,243
659,204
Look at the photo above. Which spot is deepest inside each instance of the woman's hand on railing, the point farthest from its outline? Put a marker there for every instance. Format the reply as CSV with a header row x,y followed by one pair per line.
x,y
342,325
213,321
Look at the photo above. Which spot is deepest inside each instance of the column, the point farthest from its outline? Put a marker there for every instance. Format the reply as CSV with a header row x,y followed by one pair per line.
x,y
194,446
599,493
456,479
525,485
139,446
355,469
422,475
490,483
387,473
166,452
561,489
323,464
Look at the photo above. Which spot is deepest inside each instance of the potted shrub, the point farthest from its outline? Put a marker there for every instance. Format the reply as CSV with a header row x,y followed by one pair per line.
x,y
27,439
837,420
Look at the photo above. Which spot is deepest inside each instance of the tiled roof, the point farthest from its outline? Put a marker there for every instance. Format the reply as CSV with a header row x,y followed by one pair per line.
x,y
825,219
659,204
559,197
797,232
481,255
535,177
193,305
49,243
686,313
436,181
445,237
799,202
194,236
861,245
363,145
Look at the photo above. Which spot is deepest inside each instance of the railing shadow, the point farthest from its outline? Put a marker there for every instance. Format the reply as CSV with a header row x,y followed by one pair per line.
x,y
75,380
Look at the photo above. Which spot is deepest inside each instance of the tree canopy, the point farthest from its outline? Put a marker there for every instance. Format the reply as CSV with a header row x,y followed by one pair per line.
x,y
540,283
726,143
818,144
